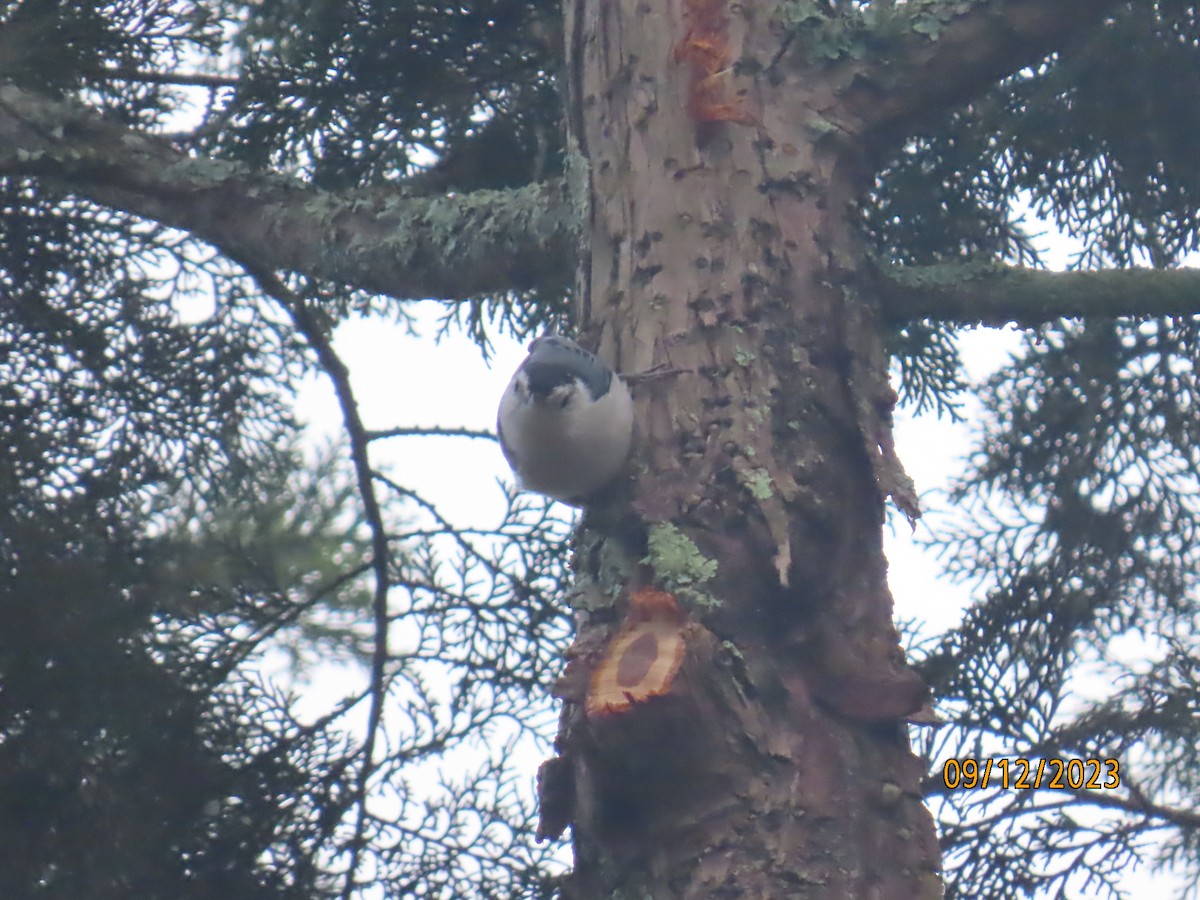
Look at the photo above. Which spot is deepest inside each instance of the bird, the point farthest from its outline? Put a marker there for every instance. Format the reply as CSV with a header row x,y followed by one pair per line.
x,y
565,421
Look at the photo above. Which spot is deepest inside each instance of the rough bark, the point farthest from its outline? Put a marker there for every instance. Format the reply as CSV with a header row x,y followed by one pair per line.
x,y
930,56
777,764
377,238
744,737
988,294
768,755
924,57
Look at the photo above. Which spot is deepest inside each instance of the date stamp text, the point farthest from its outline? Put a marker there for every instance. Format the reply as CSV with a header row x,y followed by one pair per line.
x,y
1052,773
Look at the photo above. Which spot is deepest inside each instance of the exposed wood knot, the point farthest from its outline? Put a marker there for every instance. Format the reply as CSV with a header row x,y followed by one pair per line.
x,y
643,657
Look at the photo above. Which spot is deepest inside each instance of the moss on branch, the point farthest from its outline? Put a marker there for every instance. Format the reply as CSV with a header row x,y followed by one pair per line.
x,y
914,59
991,294
375,238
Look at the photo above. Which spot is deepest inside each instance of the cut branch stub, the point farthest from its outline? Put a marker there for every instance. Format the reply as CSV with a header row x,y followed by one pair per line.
x,y
643,657
661,681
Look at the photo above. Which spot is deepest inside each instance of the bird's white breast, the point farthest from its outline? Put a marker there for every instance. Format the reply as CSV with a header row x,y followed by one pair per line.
x,y
567,452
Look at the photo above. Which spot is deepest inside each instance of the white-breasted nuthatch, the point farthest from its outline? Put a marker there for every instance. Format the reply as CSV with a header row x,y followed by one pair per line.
x,y
565,421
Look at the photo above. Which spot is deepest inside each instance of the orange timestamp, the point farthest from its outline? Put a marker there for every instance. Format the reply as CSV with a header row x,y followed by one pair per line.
x,y
1053,773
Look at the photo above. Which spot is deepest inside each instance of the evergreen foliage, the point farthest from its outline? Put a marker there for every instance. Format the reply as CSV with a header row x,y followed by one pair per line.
x,y
1078,525
161,545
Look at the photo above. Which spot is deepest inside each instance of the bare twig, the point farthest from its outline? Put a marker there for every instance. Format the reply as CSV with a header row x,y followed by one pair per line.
x,y
314,332
430,432
182,79
1139,804
455,533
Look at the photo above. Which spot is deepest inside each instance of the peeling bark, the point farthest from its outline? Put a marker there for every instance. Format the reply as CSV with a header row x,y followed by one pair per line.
x,y
773,762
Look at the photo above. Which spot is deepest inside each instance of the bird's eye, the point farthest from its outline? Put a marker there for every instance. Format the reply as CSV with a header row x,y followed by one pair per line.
x,y
564,401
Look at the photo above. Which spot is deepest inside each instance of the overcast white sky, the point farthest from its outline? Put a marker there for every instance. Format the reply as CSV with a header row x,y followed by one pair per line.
x,y
404,381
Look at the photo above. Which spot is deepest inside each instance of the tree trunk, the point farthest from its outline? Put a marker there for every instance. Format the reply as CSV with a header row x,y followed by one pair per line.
x,y
737,729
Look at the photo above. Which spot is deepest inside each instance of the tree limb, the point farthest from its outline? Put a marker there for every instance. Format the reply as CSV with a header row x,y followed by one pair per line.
x,y
182,79
937,54
315,333
431,432
991,294
376,239
1138,803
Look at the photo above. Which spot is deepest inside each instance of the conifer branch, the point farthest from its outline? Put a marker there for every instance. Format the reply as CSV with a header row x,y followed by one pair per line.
x,y
431,432
315,332
1137,803
179,79
450,247
988,294
944,53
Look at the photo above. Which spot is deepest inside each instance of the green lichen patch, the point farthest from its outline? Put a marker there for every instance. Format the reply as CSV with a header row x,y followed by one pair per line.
x,y
679,565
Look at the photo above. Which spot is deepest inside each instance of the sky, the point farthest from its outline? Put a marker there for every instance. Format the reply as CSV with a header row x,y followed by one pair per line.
x,y
407,381
401,380
458,389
